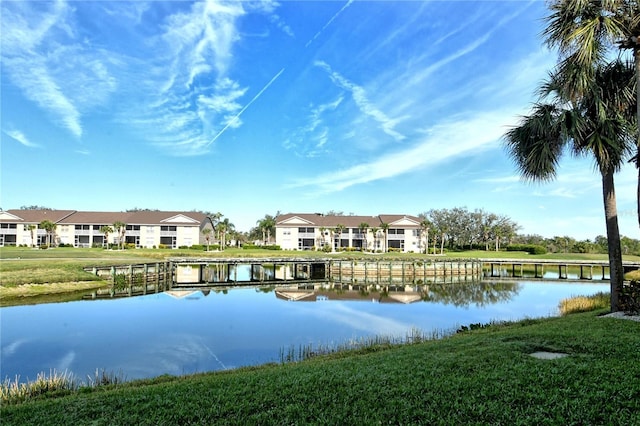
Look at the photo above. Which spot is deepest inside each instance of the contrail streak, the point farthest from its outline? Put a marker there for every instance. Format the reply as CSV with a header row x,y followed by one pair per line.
x,y
245,107
328,23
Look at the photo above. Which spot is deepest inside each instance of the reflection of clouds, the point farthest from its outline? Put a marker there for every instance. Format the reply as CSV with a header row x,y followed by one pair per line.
x,y
174,354
362,321
64,363
13,347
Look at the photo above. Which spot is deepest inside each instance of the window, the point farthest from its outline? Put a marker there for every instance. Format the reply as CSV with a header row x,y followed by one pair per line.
x,y
168,228
133,227
96,227
7,225
396,231
305,230
82,227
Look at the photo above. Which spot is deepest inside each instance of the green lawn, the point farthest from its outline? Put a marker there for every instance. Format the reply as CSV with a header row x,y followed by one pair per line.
x,y
482,377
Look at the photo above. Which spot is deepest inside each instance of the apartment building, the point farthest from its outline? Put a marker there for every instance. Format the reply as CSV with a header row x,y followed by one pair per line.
x,y
313,231
84,229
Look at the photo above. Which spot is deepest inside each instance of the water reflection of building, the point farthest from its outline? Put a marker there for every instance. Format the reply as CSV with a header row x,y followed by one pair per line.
x,y
462,294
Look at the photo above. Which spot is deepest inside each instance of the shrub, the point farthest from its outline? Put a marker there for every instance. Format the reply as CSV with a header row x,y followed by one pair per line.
x,y
161,246
630,298
529,248
44,246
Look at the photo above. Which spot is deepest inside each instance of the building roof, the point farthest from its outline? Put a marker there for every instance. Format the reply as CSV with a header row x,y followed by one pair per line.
x,y
330,221
72,217
34,216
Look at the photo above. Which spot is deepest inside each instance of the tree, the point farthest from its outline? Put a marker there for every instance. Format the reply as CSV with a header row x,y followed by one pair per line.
x,y
594,122
32,229
268,227
374,231
207,236
385,229
425,224
50,228
106,230
35,207
338,231
120,229
323,241
584,31
363,227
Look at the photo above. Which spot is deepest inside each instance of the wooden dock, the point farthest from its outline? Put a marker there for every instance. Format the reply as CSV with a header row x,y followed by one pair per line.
x,y
558,269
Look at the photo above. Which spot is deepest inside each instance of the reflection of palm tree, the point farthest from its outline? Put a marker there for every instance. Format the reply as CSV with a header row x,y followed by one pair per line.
x,y
596,123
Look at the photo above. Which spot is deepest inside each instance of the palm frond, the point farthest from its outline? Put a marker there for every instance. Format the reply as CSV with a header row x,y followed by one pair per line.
x,y
536,144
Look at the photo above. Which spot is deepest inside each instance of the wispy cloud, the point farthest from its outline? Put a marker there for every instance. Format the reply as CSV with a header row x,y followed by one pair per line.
x,y
360,97
198,100
62,71
310,139
20,137
445,141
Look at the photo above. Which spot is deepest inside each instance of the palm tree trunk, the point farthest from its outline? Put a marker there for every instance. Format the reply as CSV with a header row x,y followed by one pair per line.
x,y
636,58
616,271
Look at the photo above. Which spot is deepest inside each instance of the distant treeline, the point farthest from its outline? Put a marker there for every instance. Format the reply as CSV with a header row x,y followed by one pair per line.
x,y
461,229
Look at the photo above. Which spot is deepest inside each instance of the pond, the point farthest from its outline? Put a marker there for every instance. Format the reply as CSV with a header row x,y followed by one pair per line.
x,y
182,332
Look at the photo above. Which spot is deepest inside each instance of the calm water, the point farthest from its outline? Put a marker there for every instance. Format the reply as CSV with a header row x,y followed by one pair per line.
x,y
185,332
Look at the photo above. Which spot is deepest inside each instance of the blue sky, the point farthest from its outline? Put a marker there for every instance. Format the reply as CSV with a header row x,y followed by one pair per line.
x,y
249,108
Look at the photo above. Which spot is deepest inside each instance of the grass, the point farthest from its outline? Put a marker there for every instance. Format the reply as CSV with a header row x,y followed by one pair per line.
x,y
485,376
55,384
577,304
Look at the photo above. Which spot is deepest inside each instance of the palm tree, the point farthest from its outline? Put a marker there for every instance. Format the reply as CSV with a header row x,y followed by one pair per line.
x,y
363,227
323,241
32,229
385,228
120,229
106,230
374,231
267,225
584,31
596,123
424,230
226,227
207,235
50,228
338,230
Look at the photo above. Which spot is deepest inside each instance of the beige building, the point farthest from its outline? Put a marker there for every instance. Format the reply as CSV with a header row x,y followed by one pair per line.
x,y
83,229
304,231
